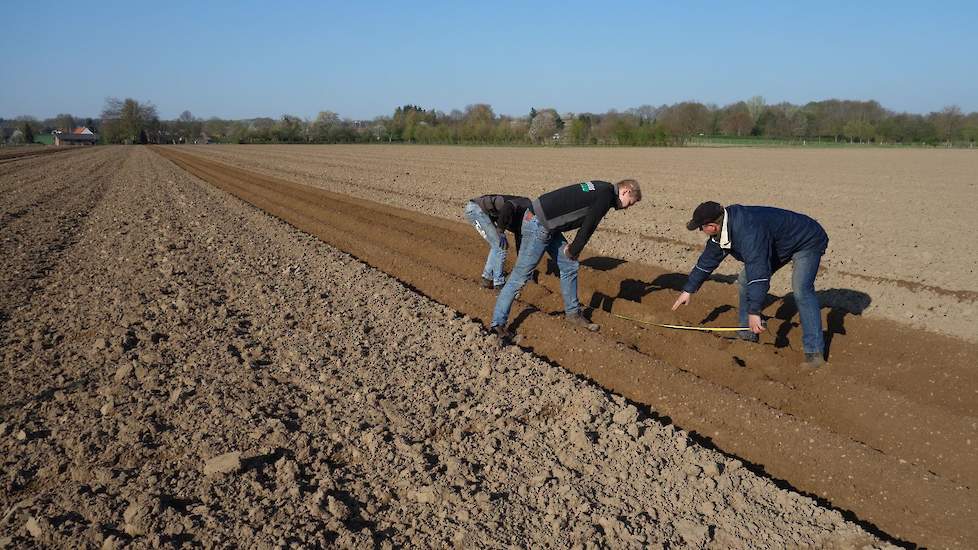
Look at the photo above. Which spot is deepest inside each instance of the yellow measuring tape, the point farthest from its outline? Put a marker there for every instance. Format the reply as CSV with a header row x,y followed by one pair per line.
x,y
682,327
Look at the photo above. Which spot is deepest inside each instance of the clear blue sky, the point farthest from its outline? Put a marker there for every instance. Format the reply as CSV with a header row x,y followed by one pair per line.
x,y
361,59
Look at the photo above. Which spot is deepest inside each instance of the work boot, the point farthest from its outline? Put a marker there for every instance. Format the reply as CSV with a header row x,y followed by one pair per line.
x,y
486,283
578,320
505,337
813,360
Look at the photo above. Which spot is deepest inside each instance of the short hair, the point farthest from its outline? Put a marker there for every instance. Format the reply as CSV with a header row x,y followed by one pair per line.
x,y
633,187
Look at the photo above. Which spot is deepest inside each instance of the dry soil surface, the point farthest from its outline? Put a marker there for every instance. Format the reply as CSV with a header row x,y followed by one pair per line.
x,y
894,217
10,154
887,430
180,367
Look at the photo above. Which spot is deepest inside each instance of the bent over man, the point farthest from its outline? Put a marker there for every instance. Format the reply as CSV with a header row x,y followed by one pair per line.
x,y
579,206
492,215
765,239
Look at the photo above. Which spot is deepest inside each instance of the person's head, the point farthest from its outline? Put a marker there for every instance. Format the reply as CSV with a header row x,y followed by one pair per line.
x,y
707,217
629,192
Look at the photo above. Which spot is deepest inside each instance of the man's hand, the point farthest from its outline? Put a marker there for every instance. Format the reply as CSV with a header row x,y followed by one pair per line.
x,y
567,252
755,323
682,300
502,242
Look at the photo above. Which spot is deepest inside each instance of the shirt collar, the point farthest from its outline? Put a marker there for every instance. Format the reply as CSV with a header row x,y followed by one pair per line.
x,y
723,239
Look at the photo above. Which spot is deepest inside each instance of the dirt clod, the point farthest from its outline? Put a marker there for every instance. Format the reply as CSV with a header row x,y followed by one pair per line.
x,y
33,527
226,463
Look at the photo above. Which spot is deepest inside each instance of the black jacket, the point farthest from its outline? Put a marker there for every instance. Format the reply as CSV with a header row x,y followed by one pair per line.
x,y
580,206
505,211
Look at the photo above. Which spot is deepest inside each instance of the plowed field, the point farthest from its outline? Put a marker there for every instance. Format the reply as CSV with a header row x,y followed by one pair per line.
x,y
886,431
213,346
893,216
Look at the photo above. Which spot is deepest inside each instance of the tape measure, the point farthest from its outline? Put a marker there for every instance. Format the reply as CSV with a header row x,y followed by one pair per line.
x,y
682,327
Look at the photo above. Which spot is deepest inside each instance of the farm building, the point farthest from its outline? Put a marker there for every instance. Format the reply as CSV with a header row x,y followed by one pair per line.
x,y
78,136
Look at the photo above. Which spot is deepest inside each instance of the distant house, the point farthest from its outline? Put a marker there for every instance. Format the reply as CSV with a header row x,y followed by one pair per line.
x,y
78,136
204,139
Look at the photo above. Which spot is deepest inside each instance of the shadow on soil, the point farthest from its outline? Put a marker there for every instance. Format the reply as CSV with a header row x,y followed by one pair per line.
x,y
840,302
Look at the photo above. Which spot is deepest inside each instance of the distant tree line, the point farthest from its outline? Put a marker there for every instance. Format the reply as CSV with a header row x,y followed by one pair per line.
x,y
833,120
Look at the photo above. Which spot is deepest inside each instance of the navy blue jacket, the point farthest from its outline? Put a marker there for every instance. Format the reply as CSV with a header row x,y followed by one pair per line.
x,y
764,238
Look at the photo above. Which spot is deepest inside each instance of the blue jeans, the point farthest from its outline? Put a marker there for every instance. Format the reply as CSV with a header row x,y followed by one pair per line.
x,y
497,255
804,268
537,240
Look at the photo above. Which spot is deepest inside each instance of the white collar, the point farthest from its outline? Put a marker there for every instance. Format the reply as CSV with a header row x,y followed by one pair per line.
x,y
724,233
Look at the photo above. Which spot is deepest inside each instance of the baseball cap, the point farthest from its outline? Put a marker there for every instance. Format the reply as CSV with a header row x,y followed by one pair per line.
x,y
705,213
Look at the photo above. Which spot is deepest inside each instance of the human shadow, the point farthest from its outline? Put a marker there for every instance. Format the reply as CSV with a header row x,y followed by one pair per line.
x,y
839,301
715,314
602,263
634,290
527,311
631,290
597,263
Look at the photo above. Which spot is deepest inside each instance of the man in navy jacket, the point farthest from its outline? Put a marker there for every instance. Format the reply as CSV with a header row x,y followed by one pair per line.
x,y
765,239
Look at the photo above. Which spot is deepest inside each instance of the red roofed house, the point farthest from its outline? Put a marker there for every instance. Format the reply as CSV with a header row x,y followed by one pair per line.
x,y
78,136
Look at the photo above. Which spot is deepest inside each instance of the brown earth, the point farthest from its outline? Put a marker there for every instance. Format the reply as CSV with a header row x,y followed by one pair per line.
x,y
16,153
182,369
893,216
887,430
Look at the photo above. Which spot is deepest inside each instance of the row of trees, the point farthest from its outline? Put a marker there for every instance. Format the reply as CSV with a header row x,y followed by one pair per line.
x,y
130,121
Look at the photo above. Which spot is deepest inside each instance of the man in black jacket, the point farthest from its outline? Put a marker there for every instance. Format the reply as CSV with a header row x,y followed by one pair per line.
x,y
579,206
492,215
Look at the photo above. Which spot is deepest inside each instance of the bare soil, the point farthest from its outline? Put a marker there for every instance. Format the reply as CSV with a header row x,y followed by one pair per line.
x,y
886,431
11,154
182,368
